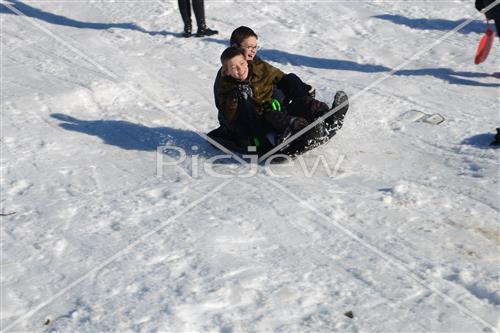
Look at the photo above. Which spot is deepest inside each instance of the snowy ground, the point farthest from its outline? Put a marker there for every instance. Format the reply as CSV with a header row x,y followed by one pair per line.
x,y
404,233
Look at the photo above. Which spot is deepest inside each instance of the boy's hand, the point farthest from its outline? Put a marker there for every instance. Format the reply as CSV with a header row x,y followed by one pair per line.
x,y
244,91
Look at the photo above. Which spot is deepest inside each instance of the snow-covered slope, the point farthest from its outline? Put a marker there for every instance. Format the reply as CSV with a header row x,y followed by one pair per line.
x,y
398,224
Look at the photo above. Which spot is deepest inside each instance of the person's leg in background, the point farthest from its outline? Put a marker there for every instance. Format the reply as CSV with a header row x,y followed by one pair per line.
x,y
185,9
199,12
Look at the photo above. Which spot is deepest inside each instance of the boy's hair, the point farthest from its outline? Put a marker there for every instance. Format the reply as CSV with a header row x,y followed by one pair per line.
x,y
230,53
240,34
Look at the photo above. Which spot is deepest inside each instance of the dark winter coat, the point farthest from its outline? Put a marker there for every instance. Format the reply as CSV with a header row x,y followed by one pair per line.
x,y
258,88
493,13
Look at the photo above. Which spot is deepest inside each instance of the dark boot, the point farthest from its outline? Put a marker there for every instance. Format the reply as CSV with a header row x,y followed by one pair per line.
x,y
205,31
336,120
199,12
317,108
188,31
313,137
308,107
185,9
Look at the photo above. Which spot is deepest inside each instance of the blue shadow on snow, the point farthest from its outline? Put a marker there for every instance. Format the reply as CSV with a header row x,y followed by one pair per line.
x,y
283,57
39,14
481,141
453,77
445,74
477,27
130,136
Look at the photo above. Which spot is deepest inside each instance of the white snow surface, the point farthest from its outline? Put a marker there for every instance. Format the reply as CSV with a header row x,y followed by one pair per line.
x,y
101,233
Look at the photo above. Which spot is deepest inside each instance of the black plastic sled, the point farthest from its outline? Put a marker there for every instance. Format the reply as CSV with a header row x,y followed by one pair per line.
x,y
313,138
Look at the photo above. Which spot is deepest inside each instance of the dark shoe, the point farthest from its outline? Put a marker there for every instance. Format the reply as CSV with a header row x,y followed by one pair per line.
x,y
336,120
187,31
308,108
295,125
204,31
341,100
317,108
315,133
496,140
314,137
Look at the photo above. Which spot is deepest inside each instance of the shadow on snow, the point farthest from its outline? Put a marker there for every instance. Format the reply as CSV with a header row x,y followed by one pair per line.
x,y
446,74
130,136
480,141
476,26
39,14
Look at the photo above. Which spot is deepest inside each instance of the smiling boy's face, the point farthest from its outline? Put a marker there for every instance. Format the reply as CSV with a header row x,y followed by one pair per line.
x,y
237,67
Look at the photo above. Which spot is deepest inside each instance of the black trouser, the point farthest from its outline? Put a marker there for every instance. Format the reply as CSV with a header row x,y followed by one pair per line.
x,y
297,98
250,126
199,12
292,87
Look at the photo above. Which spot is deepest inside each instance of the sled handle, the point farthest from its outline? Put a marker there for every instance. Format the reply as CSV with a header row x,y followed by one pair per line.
x,y
485,44
276,105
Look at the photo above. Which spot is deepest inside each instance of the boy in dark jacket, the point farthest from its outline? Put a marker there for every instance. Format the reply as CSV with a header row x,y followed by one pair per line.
x,y
246,105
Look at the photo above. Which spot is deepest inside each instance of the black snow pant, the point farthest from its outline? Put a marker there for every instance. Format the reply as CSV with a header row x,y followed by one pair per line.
x,y
250,128
297,99
293,88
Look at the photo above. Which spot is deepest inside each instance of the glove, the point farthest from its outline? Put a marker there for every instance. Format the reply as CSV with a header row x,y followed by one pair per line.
x,y
243,91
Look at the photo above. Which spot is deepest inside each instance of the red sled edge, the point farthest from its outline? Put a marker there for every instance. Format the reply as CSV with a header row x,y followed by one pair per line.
x,y
483,50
